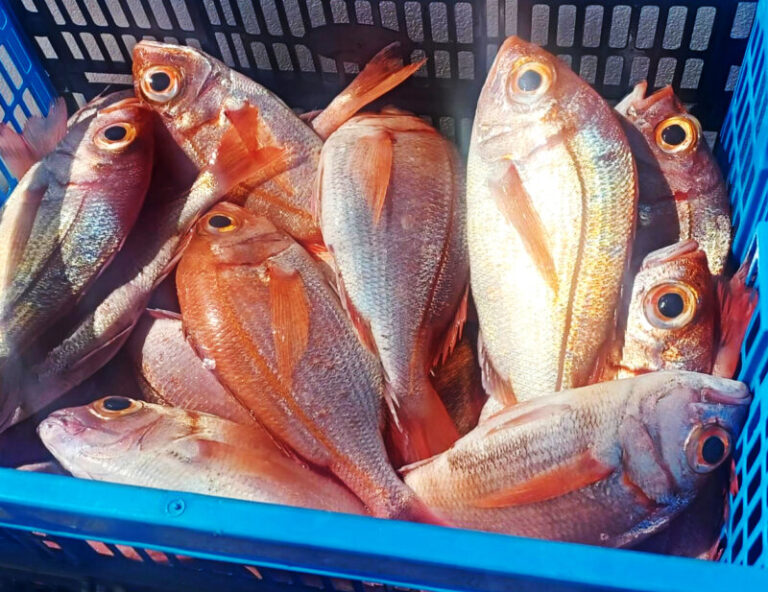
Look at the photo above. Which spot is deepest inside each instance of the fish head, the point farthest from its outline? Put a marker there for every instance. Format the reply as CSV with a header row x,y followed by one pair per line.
x,y
186,87
236,236
667,136
676,433
522,101
82,438
115,146
672,312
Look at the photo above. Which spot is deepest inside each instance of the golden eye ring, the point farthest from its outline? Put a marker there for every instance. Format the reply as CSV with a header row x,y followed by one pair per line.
x,y
677,134
671,305
160,84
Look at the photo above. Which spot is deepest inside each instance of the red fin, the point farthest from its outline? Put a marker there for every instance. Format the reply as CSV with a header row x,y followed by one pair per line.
x,y
362,326
580,471
525,412
404,470
373,168
16,221
383,73
289,309
157,313
494,385
514,202
39,138
453,333
234,163
247,123
736,302
423,427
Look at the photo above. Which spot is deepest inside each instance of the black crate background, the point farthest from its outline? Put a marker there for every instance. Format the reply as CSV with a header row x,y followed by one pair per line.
x,y
306,50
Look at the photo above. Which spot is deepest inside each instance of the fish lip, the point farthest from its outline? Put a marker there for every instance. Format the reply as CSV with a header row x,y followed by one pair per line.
x,y
70,425
667,254
713,395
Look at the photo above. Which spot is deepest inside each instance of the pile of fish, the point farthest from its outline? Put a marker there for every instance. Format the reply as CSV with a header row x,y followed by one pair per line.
x,y
332,311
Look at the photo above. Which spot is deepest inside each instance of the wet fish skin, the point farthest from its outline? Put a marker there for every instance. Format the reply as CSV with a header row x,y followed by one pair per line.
x,y
168,448
92,191
685,341
607,464
551,200
682,193
260,309
392,214
169,372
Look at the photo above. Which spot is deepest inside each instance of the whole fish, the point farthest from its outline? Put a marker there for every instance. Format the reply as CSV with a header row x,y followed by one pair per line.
x,y
607,464
114,305
682,191
90,190
672,313
169,372
199,98
459,383
121,440
262,315
392,213
551,198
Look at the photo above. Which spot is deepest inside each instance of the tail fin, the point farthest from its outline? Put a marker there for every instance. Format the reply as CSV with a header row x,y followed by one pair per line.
x,y
40,136
736,303
421,425
383,73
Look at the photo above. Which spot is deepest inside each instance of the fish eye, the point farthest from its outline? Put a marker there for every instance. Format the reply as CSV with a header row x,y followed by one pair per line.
x,y
707,447
671,305
115,136
530,80
110,407
160,83
678,134
218,222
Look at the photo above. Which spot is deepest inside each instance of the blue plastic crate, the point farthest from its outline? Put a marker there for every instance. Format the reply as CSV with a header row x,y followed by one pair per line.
x,y
58,533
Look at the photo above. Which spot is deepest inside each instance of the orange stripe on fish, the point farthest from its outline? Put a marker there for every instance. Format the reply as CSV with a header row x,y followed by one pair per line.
x,y
514,202
582,470
290,318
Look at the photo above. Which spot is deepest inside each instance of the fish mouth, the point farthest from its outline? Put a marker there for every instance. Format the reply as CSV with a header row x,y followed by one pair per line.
x,y
64,423
738,395
671,253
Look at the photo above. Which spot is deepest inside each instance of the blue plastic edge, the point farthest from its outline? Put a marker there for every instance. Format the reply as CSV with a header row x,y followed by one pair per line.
x,y
391,552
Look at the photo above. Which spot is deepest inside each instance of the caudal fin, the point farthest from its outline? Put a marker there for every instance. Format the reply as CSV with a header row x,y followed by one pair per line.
x,y
421,426
383,73
737,302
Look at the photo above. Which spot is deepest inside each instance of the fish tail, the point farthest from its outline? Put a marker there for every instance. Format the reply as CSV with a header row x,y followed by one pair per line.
x,y
422,426
383,73
736,303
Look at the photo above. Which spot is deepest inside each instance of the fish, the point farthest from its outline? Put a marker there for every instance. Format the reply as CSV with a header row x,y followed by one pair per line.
x,y
551,202
90,190
459,383
116,303
673,313
169,371
607,464
682,193
696,531
261,314
132,442
392,214
199,98
51,467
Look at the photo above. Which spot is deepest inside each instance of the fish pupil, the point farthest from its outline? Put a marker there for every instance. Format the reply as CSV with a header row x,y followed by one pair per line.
x,y
529,81
116,403
219,221
115,133
674,135
713,450
671,305
159,81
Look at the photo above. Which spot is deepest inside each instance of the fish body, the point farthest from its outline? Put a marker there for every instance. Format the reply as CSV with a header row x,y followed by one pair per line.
x,y
393,216
136,443
607,464
90,190
551,199
673,313
169,372
196,95
682,193
262,315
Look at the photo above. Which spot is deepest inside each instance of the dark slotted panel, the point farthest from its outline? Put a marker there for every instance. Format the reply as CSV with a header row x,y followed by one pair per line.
x,y
306,50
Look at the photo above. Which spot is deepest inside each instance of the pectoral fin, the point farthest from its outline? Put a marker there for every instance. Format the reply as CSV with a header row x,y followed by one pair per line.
x,y
516,205
289,309
372,166
496,386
